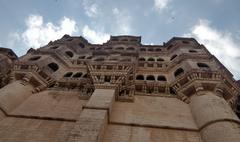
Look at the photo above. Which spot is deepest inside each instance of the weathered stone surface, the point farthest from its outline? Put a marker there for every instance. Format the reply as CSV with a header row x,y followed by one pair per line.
x,y
119,133
54,104
154,111
102,99
33,130
13,94
90,126
209,108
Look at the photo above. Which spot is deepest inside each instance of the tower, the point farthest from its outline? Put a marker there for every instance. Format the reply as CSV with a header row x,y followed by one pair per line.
x,y
122,90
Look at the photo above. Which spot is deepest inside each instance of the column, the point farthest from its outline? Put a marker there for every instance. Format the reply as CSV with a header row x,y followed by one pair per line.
x,y
214,117
93,120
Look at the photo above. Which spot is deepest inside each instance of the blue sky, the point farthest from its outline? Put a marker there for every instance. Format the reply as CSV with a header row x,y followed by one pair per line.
x,y
214,23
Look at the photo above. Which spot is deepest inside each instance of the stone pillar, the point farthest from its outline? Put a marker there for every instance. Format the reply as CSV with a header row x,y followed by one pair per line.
x,y
93,120
215,119
14,94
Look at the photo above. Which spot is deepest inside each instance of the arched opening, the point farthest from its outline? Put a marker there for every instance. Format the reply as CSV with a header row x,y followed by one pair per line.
x,y
69,54
77,75
108,48
174,56
81,45
142,49
119,48
85,76
161,78
68,74
160,59
139,77
151,59
150,77
150,49
185,42
192,51
107,78
35,58
141,59
158,49
54,47
130,48
89,57
178,72
81,57
99,59
53,66
126,60
202,65
113,59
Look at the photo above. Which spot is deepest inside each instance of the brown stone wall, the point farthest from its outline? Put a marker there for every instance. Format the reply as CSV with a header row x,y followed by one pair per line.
x,y
34,130
54,104
119,133
154,111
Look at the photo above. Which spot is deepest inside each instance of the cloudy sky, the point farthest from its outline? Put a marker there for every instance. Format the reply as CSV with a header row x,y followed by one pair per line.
x,y
214,23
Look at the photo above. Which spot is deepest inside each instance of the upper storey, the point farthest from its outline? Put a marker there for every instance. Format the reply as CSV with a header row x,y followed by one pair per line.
x,y
127,64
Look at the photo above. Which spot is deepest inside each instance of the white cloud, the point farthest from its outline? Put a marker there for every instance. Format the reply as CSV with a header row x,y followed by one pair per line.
x,y
123,20
39,33
91,9
220,44
96,37
161,4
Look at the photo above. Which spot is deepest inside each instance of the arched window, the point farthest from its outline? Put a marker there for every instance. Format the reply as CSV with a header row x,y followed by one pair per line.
x,y
158,49
77,75
161,78
141,59
202,65
160,59
113,59
151,59
81,45
99,59
150,49
69,54
68,74
142,49
174,56
107,78
192,51
85,76
54,47
150,77
126,60
81,57
130,48
119,48
34,58
108,48
140,77
53,66
178,72
185,42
